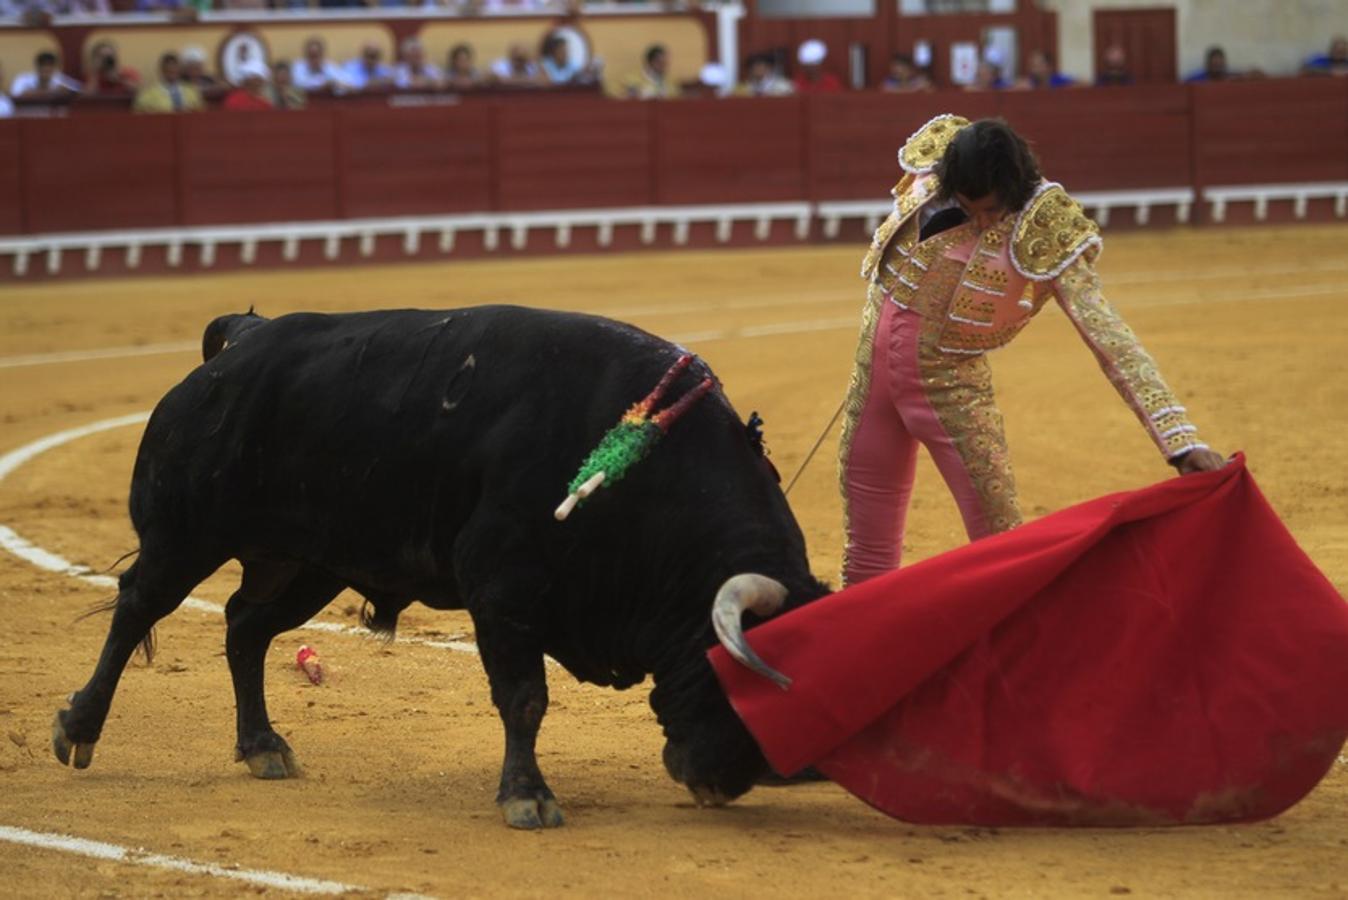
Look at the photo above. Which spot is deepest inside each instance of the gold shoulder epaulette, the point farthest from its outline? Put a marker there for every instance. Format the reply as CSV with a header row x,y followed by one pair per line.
x,y
922,151
1050,232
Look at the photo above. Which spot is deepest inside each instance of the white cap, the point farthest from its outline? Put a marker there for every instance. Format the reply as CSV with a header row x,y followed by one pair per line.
x,y
812,52
713,75
193,54
253,69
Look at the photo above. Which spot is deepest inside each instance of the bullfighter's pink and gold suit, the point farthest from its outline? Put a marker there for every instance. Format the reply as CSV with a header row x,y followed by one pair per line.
x,y
934,307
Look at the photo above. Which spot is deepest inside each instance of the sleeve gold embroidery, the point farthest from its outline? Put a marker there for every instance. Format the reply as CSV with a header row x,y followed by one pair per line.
x,y
1127,364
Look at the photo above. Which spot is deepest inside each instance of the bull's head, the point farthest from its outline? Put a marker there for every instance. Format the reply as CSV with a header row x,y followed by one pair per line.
x,y
716,757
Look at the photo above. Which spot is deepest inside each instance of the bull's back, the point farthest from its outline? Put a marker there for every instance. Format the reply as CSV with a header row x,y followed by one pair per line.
x,y
377,434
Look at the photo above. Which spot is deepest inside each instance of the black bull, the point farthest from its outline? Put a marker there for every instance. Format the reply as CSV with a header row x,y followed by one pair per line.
x,y
416,455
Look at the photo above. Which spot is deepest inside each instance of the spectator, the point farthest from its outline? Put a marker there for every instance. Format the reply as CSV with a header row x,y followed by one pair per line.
x,y
170,93
367,71
653,81
558,67
315,72
179,10
516,68
904,76
1114,71
105,75
489,7
282,91
414,73
712,81
45,82
252,93
6,104
1043,73
38,13
987,77
194,69
812,79
1335,62
761,78
462,74
1214,67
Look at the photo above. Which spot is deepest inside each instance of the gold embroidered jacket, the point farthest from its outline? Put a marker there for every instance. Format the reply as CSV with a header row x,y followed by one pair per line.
x,y
1047,250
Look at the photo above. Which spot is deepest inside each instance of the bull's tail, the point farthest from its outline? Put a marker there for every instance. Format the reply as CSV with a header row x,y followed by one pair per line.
x,y
380,612
225,330
147,644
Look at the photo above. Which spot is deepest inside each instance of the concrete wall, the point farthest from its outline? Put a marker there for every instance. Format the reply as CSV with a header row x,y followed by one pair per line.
x,y
1272,35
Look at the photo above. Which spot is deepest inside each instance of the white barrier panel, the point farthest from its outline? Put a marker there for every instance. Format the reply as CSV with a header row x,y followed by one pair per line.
x,y
563,224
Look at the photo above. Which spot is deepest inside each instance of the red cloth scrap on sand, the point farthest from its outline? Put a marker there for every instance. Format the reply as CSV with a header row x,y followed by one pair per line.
x,y
1164,656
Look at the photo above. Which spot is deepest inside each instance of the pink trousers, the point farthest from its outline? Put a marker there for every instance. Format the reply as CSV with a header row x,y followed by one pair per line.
x,y
908,383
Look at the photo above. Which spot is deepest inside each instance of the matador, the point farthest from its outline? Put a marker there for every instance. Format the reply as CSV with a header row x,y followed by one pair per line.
x,y
976,244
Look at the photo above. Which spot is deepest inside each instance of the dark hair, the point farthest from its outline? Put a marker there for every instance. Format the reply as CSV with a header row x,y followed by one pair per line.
x,y
653,51
1214,50
169,57
987,157
902,58
460,48
45,58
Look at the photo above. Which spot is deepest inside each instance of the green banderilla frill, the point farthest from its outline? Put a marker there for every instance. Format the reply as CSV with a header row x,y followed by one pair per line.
x,y
631,440
625,445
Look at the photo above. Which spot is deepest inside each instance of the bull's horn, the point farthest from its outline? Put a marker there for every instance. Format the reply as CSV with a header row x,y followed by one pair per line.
x,y
764,597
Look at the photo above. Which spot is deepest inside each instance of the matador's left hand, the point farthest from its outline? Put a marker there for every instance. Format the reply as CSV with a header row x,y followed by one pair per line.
x,y
1199,460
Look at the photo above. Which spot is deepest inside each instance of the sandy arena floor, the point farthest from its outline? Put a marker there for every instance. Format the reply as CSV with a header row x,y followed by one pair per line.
x,y
402,747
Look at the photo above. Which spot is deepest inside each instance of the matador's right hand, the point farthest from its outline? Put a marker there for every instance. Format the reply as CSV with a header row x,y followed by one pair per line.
x,y
1199,460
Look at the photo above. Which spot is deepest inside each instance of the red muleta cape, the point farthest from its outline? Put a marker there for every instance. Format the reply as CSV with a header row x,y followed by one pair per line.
x,y
1164,656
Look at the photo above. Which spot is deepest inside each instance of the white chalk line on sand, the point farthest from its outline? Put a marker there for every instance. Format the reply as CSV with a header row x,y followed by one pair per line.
x,y
102,850
63,356
44,559
847,323
51,562
692,337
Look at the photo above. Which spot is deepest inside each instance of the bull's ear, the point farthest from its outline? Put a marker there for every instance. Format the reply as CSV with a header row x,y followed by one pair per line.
x,y
754,430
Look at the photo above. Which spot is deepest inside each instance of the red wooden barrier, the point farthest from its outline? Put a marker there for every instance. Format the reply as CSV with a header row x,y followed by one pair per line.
x,y
11,184
730,151
396,162
573,153
854,139
98,172
1107,139
1268,131
257,167
119,171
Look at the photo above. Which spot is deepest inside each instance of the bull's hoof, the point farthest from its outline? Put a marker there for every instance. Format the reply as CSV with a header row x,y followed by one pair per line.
x,y
705,796
273,764
64,748
531,812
